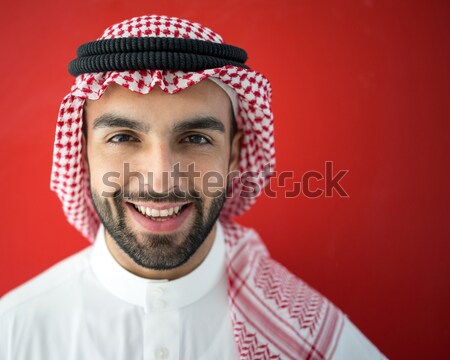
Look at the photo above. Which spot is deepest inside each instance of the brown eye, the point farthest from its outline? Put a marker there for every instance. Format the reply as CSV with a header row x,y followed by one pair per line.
x,y
197,139
120,138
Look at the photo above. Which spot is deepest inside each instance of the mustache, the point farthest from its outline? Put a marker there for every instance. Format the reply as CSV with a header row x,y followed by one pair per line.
x,y
175,195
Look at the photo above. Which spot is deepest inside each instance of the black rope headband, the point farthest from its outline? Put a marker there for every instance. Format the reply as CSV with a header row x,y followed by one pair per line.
x,y
151,53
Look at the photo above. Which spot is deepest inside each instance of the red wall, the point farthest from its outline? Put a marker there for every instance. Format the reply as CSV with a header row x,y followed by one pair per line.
x,y
364,84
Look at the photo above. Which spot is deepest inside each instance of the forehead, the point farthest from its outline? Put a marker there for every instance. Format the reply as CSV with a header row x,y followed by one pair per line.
x,y
204,98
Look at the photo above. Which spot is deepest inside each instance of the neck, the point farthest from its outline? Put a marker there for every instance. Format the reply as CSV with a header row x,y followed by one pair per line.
x,y
127,263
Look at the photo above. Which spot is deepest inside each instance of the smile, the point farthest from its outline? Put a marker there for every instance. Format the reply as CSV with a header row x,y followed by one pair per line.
x,y
160,214
160,217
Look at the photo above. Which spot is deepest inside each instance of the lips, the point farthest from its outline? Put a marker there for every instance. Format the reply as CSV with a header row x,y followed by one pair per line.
x,y
160,218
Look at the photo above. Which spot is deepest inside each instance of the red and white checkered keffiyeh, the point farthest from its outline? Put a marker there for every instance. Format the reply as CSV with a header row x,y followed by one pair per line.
x,y
275,315
69,174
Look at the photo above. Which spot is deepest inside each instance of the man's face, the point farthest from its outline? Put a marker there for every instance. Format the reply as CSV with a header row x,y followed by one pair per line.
x,y
150,159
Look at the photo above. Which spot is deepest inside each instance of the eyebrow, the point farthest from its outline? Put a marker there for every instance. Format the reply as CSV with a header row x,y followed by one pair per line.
x,y
204,122
114,121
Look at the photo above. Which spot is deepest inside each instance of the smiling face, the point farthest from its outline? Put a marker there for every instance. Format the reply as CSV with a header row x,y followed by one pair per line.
x,y
152,159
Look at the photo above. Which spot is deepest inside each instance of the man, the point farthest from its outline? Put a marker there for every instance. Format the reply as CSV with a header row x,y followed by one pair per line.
x,y
165,135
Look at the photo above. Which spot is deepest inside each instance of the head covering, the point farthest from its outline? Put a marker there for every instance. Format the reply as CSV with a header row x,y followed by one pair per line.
x,y
70,178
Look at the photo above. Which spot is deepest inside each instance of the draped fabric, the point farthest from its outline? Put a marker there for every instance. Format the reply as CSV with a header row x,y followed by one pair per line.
x,y
275,314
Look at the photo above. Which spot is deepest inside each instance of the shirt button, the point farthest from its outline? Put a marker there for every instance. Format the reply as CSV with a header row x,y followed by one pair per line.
x,y
159,304
157,292
162,353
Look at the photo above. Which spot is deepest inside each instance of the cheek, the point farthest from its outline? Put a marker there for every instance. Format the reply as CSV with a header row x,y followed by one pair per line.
x,y
212,178
105,172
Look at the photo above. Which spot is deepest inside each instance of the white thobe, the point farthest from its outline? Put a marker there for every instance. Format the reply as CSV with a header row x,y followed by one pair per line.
x,y
87,307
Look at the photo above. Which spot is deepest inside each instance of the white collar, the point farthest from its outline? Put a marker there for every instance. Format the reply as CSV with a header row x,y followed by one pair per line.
x,y
159,295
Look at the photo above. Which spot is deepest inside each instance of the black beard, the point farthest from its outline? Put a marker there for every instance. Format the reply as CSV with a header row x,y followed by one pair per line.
x,y
155,251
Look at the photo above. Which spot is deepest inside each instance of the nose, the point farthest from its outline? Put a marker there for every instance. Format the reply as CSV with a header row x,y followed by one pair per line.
x,y
157,162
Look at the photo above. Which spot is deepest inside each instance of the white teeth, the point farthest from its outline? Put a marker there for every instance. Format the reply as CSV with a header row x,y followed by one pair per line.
x,y
155,212
158,213
163,212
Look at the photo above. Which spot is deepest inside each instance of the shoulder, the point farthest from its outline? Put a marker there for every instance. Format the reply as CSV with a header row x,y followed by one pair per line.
x,y
353,344
46,282
316,319
271,280
304,321
303,307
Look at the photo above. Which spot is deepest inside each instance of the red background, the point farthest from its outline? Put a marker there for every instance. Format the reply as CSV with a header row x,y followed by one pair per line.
x,y
362,83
